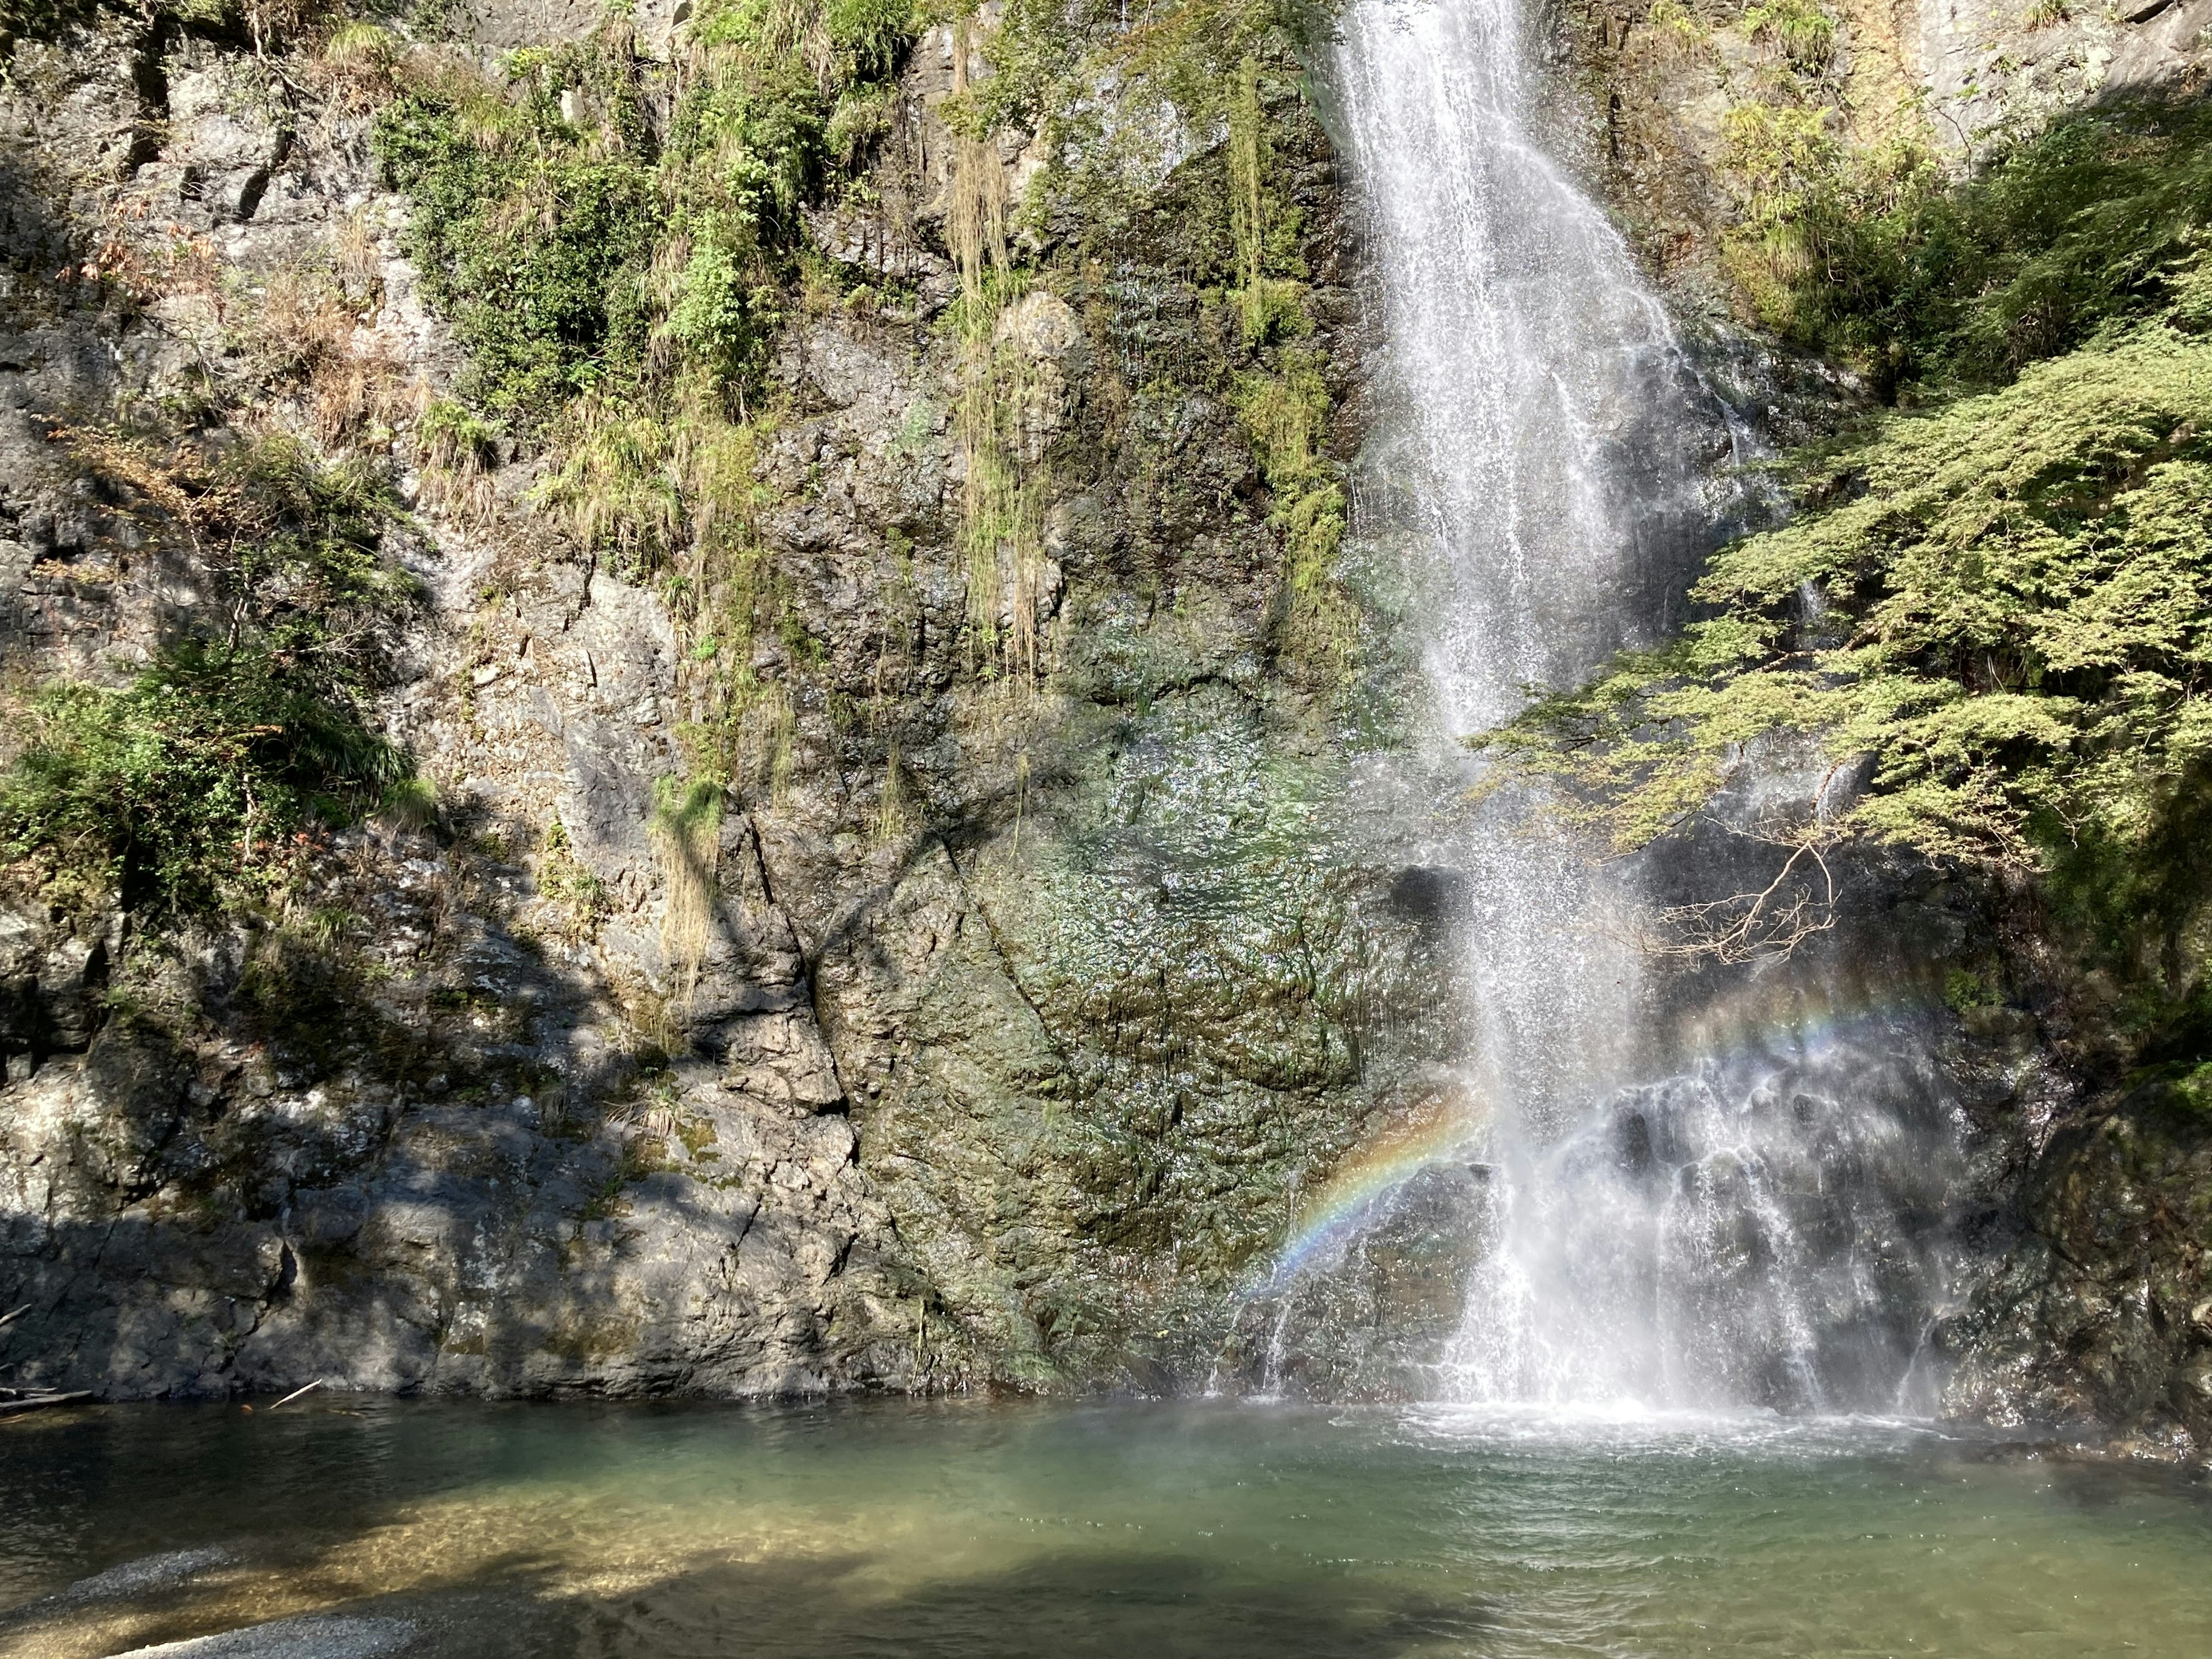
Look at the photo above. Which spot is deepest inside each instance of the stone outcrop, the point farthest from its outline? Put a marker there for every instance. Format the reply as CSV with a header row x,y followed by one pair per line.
x,y
2099,1312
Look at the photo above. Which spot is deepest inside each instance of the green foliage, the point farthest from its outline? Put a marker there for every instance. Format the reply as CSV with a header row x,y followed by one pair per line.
x,y
1993,617
870,36
2193,1088
2006,603
1680,19
455,436
192,787
1996,619
458,449
1929,286
616,252
534,243
722,313
576,254
187,789
618,484
1800,30
308,580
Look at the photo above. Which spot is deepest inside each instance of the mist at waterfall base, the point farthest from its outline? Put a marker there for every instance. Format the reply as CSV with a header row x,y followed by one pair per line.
x,y
1707,1189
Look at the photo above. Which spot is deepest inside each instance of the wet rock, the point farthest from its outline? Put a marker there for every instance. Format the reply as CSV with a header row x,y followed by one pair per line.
x,y
2094,1317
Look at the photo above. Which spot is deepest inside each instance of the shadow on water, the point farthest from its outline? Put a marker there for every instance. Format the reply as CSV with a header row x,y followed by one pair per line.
x,y
508,1532
841,1604
1068,1602
1165,1605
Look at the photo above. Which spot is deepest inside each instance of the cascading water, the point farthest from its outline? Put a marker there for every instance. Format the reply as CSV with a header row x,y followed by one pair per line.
x,y
1544,460
1763,1224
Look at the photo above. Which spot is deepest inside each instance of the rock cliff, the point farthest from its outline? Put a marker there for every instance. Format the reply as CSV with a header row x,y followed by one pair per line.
x,y
974,1031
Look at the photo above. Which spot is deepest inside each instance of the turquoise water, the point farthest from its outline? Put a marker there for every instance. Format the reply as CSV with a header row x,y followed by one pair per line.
x,y
981,1529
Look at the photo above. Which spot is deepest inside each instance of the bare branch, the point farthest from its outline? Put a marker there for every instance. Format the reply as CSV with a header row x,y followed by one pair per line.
x,y
1765,925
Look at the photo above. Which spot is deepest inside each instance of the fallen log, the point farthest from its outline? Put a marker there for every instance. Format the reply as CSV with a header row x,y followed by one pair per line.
x,y
11,1400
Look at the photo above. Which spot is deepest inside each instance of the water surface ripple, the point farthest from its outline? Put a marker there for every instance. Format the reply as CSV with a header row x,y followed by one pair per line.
x,y
982,1529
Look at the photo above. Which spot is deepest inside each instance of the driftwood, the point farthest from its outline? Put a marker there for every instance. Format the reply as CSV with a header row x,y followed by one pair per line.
x,y
25,1399
17,1400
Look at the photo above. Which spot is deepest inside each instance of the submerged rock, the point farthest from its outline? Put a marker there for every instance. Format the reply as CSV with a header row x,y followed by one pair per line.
x,y
150,1572
316,1636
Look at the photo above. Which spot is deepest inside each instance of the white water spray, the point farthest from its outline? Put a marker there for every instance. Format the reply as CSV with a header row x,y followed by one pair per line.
x,y
1755,1230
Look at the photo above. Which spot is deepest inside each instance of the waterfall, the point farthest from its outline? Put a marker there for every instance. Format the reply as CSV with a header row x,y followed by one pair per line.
x,y
1734,1201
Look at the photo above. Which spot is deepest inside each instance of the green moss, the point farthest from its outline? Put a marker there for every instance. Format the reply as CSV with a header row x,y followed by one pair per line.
x,y
1269,291
1284,415
1115,106
1800,30
1966,989
2193,1089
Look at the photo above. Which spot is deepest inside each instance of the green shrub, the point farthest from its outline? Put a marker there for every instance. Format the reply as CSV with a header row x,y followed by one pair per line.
x,y
571,254
2008,603
1998,615
1800,30
187,789
1929,286
535,249
615,266
303,570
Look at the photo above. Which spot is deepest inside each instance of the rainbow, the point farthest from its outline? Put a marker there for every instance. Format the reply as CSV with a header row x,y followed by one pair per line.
x,y
1808,1019
1359,1187
1757,1019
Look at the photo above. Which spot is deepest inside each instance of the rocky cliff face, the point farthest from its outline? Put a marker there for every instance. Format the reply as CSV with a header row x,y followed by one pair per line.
x,y
2099,1311
978,1029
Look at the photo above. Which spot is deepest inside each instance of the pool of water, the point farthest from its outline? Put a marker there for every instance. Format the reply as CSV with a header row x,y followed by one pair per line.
x,y
977,1529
